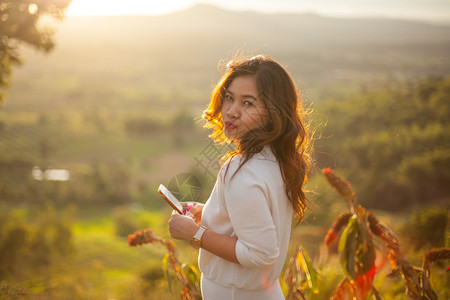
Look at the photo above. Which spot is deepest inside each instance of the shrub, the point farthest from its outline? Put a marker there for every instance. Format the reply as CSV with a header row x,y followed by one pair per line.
x,y
427,228
123,221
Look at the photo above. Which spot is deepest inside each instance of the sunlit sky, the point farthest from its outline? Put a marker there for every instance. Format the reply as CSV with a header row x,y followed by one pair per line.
x,y
432,10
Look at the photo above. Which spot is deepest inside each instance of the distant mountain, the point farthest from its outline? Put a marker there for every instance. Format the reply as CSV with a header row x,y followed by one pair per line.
x,y
180,51
202,25
311,27
273,28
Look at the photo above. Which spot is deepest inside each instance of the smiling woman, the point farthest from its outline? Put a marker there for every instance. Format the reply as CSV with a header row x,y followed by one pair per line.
x,y
130,7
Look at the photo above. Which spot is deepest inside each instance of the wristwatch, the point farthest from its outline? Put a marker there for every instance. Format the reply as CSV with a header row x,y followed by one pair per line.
x,y
196,240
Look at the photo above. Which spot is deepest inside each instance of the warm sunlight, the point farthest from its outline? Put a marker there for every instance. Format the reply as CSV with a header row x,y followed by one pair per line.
x,y
130,7
414,9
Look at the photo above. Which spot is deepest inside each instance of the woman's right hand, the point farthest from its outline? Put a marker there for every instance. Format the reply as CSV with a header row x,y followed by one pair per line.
x,y
193,210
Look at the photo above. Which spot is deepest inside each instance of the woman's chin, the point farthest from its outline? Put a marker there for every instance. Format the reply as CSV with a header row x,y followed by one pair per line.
x,y
230,134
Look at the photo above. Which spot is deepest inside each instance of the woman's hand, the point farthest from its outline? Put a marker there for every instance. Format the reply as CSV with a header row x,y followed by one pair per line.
x,y
194,210
182,227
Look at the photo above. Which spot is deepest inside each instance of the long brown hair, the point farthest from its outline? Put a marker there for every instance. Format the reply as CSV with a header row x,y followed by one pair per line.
x,y
285,132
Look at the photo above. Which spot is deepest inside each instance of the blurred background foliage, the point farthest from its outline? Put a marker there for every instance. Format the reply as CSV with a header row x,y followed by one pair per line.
x,y
393,143
118,102
20,25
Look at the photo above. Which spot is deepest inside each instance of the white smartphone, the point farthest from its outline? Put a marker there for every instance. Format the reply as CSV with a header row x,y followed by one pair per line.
x,y
170,198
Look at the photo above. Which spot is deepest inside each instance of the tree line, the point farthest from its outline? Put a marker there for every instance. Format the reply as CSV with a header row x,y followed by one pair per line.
x,y
393,143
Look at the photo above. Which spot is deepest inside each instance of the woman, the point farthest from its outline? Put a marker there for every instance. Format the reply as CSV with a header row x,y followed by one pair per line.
x,y
246,222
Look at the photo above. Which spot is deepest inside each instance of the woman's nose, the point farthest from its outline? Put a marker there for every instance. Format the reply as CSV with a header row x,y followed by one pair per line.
x,y
233,111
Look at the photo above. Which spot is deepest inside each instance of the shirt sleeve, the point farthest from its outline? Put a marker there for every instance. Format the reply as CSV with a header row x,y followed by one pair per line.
x,y
247,202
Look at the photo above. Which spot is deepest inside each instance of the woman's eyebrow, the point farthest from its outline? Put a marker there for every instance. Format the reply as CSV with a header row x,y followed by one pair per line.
x,y
250,96
244,96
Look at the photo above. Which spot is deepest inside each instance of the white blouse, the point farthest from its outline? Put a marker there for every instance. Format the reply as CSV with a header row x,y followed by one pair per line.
x,y
253,206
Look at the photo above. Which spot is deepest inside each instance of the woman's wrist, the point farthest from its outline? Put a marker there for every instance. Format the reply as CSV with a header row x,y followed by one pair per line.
x,y
193,231
196,240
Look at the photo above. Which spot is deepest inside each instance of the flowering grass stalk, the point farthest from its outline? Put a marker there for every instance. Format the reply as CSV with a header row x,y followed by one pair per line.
x,y
187,275
357,250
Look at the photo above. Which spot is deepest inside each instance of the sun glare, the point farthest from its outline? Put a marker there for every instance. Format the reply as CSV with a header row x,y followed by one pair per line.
x,y
120,7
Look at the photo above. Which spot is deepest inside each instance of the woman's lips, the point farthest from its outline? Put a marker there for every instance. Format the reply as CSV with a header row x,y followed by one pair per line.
x,y
229,125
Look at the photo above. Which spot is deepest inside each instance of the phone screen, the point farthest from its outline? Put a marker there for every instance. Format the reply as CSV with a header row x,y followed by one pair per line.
x,y
167,195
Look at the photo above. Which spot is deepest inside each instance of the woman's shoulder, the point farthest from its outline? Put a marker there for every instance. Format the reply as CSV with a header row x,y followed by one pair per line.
x,y
264,156
262,164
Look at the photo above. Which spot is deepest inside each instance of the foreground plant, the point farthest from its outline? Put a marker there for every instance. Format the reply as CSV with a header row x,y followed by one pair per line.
x,y
300,275
357,251
187,275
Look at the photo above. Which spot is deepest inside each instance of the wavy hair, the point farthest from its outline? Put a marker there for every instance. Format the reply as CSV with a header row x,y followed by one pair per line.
x,y
285,132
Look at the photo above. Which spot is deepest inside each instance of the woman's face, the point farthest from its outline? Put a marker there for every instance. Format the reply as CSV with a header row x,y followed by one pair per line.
x,y
242,110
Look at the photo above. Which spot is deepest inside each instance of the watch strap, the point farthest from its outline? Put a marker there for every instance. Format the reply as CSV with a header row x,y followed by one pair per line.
x,y
197,238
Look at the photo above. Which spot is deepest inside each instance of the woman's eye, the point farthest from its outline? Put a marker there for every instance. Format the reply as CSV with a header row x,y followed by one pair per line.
x,y
248,103
227,98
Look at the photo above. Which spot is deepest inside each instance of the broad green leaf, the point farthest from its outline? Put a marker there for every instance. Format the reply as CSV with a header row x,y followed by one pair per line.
x,y
342,247
350,254
165,264
365,253
191,273
308,269
343,239
348,245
